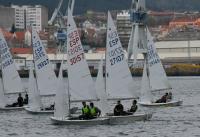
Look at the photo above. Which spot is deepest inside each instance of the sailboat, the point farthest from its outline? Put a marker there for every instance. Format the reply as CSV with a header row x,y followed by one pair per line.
x,y
154,77
80,83
10,83
118,80
45,82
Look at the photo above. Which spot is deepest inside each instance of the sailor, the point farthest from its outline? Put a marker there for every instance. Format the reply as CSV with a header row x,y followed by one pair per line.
x,y
85,111
119,109
134,106
26,99
169,97
94,111
163,99
20,100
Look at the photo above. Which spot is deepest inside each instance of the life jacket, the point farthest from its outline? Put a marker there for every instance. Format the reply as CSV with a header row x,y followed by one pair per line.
x,y
86,110
93,111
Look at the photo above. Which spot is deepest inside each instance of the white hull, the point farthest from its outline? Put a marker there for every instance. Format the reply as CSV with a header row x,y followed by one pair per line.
x,y
67,121
168,104
32,111
128,118
11,108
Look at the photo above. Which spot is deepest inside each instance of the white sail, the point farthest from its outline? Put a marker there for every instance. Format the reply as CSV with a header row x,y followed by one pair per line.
x,y
11,80
81,84
2,96
130,44
101,91
119,82
145,89
157,75
35,102
45,75
62,97
135,42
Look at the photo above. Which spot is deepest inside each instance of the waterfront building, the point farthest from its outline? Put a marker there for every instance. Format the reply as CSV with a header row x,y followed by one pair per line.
x,y
26,15
124,27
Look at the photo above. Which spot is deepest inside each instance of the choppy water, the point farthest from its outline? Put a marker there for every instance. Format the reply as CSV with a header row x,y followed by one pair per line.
x,y
181,121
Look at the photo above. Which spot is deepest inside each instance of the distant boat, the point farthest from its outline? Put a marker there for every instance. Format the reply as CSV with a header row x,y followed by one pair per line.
x,y
10,83
118,80
80,81
45,83
154,77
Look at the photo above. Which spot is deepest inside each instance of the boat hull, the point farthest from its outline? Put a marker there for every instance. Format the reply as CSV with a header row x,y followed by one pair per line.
x,y
68,121
11,108
32,111
128,118
168,104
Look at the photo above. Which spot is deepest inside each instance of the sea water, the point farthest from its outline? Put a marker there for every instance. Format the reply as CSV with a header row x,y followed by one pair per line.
x,y
183,121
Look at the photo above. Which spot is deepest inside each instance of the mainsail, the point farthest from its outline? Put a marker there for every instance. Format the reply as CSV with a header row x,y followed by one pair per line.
x,y
45,75
81,84
157,75
11,80
119,82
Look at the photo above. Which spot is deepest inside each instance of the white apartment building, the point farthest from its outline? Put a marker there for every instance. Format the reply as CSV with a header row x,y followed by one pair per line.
x,y
25,16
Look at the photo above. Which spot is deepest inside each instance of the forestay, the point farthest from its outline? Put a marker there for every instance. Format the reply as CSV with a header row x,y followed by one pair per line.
x,y
81,84
101,91
35,102
119,82
62,97
45,75
157,75
11,80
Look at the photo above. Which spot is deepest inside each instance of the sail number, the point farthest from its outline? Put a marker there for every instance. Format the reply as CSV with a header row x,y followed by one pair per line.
x,y
7,63
152,56
116,55
5,55
43,63
76,59
39,53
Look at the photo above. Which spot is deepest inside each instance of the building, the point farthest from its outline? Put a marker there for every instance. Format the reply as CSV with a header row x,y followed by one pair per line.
x,y
27,16
170,52
124,27
7,17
